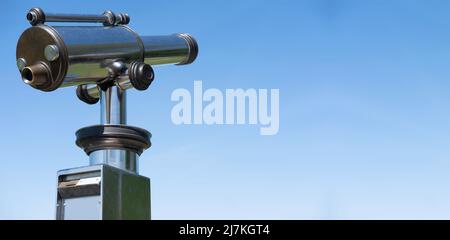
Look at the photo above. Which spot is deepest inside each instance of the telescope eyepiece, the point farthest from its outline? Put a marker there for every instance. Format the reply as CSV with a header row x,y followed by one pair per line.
x,y
36,75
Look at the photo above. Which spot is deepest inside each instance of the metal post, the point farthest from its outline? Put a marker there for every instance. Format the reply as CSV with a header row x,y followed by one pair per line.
x,y
113,106
110,188
113,112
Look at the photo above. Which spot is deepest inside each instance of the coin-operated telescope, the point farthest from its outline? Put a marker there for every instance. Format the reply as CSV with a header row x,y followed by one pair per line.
x,y
102,61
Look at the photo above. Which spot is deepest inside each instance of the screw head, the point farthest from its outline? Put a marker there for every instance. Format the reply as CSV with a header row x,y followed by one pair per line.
x,y
51,52
21,64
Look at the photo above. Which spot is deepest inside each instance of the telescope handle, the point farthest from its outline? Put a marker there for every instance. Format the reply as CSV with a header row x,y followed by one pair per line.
x,y
37,16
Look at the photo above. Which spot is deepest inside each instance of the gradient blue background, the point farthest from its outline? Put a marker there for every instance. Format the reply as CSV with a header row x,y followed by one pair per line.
x,y
364,112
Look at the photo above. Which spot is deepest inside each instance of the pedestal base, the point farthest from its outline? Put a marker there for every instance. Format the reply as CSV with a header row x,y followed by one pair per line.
x,y
102,192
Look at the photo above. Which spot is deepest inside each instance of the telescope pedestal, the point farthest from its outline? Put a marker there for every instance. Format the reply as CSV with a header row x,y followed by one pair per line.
x,y
102,192
103,62
110,188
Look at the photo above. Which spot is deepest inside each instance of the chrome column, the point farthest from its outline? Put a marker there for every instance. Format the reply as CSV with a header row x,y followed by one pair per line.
x,y
113,106
119,158
113,112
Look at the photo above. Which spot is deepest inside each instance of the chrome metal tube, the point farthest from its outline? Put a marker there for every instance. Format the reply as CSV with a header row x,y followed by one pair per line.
x,y
123,159
113,106
170,49
91,49
57,17
113,112
37,16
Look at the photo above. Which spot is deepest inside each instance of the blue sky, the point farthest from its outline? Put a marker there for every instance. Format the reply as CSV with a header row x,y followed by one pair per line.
x,y
364,112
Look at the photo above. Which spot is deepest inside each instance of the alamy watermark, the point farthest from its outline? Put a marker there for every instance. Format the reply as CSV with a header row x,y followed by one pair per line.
x,y
238,106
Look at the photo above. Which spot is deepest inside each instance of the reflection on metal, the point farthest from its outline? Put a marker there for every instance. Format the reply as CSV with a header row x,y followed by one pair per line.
x,y
51,52
113,106
123,159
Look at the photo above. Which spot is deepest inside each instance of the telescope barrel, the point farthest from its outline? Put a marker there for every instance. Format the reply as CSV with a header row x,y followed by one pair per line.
x,y
177,48
78,55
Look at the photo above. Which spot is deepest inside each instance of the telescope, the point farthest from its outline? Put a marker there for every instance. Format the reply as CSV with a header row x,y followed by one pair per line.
x,y
102,61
